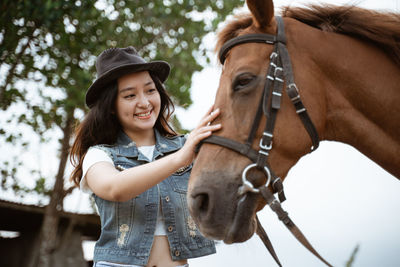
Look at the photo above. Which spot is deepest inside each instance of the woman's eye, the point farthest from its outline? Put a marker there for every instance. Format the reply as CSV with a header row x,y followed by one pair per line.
x,y
129,96
243,81
152,90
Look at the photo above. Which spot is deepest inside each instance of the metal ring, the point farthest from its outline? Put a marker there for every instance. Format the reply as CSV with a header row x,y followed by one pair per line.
x,y
248,184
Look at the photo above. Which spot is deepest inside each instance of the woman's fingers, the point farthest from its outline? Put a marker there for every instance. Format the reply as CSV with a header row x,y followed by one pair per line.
x,y
204,132
211,127
209,110
214,114
209,117
205,129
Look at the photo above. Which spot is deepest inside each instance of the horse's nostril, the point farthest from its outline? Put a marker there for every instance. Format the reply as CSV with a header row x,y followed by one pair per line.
x,y
201,202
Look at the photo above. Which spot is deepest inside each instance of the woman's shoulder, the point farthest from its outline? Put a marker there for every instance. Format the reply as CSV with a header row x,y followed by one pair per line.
x,y
104,147
101,146
101,150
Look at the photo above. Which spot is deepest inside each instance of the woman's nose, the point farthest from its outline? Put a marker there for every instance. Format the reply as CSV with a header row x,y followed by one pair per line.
x,y
143,101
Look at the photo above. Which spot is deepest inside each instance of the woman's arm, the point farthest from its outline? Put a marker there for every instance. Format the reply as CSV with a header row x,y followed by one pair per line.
x,y
110,184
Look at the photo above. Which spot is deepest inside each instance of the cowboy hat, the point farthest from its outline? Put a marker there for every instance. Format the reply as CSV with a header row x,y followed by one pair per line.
x,y
115,62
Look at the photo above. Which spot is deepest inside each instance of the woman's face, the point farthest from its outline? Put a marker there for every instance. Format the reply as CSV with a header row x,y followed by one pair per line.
x,y
138,103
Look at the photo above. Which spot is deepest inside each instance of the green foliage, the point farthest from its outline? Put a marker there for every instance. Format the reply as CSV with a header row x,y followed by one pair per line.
x,y
40,186
54,43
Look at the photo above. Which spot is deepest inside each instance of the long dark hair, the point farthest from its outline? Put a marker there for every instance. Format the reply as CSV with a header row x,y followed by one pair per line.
x,y
101,126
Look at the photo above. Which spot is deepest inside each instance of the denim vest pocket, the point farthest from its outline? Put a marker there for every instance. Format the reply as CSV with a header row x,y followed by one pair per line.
x,y
180,179
125,221
124,210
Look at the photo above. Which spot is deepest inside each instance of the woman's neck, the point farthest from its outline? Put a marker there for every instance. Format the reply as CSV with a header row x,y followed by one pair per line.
x,y
143,138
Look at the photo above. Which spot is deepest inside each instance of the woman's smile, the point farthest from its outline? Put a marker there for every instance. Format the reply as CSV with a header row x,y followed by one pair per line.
x,y
144,115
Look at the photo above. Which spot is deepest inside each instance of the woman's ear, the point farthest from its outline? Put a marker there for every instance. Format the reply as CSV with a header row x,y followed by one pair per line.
x,y
262,12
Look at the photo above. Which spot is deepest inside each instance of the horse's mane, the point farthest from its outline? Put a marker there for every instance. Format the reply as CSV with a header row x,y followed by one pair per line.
x,y
382,29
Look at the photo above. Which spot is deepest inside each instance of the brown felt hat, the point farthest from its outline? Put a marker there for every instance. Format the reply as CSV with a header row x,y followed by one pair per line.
x,y
116,62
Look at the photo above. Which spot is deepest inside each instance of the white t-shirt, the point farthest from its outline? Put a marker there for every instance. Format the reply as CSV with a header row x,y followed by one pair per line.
x,y
95,155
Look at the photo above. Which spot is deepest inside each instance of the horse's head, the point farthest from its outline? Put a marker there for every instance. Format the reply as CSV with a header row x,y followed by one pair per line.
x,y
217,174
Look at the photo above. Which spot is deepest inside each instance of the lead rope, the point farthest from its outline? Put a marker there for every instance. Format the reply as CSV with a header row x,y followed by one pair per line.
x,y
284,217
264,238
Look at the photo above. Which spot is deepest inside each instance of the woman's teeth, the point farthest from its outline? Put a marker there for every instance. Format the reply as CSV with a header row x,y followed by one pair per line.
x,y
142,115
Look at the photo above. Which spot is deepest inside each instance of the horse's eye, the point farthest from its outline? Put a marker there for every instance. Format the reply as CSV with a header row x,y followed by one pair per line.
x,y
242,81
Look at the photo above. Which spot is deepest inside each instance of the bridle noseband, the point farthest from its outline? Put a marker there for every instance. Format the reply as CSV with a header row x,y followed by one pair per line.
x,y
279,71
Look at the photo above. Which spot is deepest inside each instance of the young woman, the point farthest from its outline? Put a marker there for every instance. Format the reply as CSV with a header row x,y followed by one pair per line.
x,y
136,166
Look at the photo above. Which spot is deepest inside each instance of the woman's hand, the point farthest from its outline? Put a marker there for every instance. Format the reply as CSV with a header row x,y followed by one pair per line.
x,y
187,153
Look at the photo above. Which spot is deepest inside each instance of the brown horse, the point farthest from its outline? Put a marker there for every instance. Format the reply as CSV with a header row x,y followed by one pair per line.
x,y
346,64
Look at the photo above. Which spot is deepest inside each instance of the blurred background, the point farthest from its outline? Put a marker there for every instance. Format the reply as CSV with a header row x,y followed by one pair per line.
x,y
345,204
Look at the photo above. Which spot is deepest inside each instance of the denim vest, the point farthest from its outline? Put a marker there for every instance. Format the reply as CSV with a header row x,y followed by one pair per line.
x,y
127,228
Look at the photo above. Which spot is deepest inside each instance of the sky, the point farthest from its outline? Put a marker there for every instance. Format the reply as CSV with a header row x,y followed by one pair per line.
x,y
336,196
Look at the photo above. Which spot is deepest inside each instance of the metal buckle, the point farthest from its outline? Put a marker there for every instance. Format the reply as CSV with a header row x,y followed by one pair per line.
x,y
295,87
247,185
296,98
277,69
265,147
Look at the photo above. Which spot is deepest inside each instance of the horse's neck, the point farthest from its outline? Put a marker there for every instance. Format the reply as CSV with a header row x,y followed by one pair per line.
x,y
363,101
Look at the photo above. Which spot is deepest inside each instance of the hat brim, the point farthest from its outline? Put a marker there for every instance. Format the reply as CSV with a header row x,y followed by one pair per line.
x,y
160,68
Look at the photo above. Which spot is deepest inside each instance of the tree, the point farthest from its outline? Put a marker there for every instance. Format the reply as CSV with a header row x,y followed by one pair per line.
x,y
54,44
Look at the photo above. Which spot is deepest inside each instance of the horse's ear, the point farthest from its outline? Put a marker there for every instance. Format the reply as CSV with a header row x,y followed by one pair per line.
x,y
262,11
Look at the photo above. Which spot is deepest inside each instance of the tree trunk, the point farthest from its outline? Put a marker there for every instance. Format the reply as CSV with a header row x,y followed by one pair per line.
x,y
49,229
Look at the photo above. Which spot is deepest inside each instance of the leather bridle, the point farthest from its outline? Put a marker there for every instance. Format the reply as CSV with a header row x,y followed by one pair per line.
x,y
279,71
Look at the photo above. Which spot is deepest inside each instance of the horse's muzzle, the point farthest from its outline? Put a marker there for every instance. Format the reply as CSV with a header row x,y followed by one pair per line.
x,y
212,202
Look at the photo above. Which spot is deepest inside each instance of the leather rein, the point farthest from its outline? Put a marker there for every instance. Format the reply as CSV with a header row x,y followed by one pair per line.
x,y
279,71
